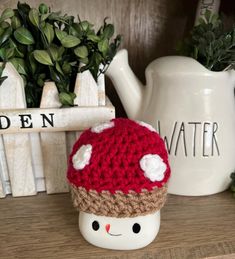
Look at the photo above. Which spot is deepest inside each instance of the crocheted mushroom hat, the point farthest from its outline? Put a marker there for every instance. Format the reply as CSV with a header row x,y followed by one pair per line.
x,y
119,169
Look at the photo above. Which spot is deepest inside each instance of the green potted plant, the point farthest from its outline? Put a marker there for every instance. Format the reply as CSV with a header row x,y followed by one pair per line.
x,y
45,45
210,43
56,56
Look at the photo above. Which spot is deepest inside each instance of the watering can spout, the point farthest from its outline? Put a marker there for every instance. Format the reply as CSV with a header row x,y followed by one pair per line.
x,y
129,88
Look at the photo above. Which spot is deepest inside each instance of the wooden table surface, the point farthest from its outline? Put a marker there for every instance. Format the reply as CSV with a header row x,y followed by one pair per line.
x,y
45,226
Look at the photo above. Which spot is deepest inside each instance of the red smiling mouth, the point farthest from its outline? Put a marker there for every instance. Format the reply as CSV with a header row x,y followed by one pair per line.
x,y
107,227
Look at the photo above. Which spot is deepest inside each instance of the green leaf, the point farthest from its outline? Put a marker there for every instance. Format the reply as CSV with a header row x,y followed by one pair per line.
x,y
58,68
76,27
81,52
49,32
67,98
2,78
93,37
97,58
15,22
6,14
33,64
41,79
66,67
84,60
201,20
3,53
215,19
62,19
60,34
43,9
19,65
13,45
6,35
40,82
103,46
42,57
2,67
210,36
55,76
9,52
34,17
85,25
5,25
195,52
108,31
44,16
70,41
232,188
54,52
24,36
60,52
23,9
74,32
1,31
207,15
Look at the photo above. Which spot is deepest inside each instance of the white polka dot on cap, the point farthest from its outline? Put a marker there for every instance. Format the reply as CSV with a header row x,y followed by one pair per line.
x,y
101,127
82,157
146,125
153,166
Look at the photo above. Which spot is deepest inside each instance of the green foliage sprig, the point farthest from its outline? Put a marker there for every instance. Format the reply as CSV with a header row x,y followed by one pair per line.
x,y
210,44
45,45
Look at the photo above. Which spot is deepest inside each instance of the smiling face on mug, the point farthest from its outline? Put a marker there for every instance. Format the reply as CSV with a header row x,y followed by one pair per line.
x,y
119,233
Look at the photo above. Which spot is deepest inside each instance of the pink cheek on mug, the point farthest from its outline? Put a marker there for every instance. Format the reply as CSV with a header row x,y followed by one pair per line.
x,y
107,227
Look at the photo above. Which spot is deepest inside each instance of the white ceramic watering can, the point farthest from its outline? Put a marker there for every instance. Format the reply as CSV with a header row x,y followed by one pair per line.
x,y
193,110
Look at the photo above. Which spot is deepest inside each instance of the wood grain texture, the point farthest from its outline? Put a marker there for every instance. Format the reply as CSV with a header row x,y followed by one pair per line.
x,y
86,90
37,161
46,227
101,90
4,177
66,119
17,147
53,147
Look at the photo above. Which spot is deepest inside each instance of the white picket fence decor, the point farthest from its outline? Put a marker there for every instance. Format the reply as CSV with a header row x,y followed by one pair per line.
x,y
35,143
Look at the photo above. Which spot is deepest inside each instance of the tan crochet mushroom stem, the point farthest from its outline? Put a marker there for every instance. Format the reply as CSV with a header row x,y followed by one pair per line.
x,y
119,204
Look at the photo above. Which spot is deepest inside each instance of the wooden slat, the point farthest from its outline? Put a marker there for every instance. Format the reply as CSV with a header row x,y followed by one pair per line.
x,y
70,140
101,90
4,176
37,161
53,147
86,90
89,94
66,119
2,187
17,146
3,170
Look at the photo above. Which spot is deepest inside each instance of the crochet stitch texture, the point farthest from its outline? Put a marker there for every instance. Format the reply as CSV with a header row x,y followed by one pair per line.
x,y
114,173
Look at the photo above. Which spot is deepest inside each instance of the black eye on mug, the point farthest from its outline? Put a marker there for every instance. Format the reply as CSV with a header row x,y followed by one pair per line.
x,y
95,225
136,228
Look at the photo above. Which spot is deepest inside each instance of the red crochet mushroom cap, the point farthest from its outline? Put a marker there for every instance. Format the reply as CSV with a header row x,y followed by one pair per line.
x,y
119,156
115,159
